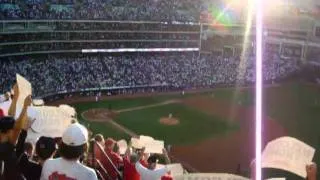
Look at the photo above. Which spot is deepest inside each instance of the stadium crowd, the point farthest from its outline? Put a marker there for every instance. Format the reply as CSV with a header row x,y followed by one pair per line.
x,y
97,36
183,70
155,10
70,156
65,157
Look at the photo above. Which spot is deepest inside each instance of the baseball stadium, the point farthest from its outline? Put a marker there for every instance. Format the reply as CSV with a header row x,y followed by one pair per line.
x,y
159,89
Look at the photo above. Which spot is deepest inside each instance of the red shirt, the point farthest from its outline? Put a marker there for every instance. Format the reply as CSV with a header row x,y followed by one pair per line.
x,y
116,160
166,177
144,163
102,158
1,113
56,175
129,171
98,154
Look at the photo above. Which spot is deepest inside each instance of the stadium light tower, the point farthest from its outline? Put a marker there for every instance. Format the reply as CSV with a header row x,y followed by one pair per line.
x,y
258,125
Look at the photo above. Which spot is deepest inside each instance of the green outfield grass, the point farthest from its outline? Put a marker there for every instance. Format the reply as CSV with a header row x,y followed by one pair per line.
x,y
295,106
146,121
194,125
104,128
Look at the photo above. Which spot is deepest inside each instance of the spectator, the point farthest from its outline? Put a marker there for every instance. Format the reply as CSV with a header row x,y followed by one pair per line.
x,y
5,97
151,172
115,158
129,169
9,132
73,146
28,149
179,70
143,157
160,10
5,104
45,149
311,170
98,150
1,113
100,139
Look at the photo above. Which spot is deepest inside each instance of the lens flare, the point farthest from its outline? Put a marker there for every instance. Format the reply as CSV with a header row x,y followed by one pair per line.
x,y
246,42
258,87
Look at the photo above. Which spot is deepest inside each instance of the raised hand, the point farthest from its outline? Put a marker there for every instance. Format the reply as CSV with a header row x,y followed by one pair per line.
x,y
16,90
311,171
27,101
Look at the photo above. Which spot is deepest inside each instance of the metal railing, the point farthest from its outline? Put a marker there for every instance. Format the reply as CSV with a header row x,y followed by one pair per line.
x,y
94,145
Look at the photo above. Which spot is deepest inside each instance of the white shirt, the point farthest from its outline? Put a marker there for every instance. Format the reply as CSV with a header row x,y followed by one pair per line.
x,y
5,106
55,168
2,98
147,174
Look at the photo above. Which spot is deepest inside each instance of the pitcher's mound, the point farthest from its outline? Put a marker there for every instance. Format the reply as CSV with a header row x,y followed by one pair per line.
x,y
169,121
98,115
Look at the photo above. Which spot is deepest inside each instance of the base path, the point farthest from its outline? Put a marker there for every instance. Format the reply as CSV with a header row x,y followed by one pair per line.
x,y
105,115
123,129
147,106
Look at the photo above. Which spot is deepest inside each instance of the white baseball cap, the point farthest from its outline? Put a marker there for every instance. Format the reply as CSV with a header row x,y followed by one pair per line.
x,y
75,135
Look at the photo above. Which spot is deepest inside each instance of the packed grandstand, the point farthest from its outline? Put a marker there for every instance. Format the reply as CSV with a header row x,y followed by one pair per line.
x,y
180,70
45,42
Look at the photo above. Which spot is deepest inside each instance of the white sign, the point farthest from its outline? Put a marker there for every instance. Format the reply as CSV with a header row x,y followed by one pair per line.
x,y
175,169
38,102
122,146
50,121
146,138
151,145
154,146
289,154
68,110
136,143
25,90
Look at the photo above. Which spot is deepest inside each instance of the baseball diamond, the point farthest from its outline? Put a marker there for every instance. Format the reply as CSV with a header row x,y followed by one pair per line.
x,y
212,125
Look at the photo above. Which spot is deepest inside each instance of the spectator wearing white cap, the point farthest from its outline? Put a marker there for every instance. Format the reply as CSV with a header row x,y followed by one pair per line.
x,y
73,146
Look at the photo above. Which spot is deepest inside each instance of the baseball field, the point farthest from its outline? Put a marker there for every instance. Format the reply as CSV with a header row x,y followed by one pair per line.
x,y
209,131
